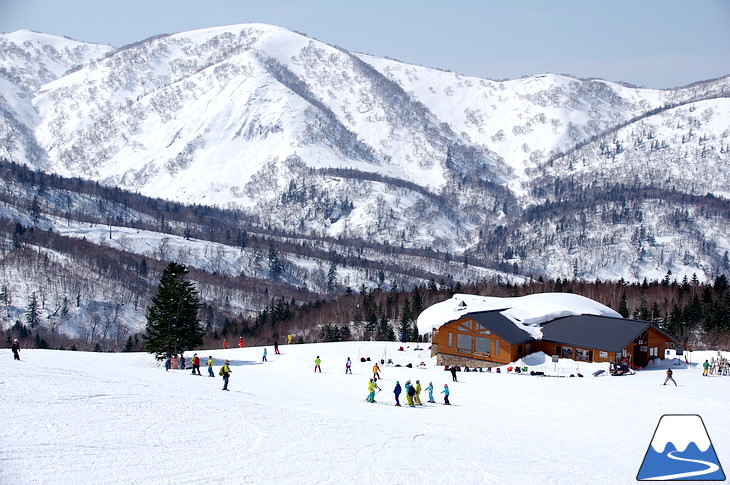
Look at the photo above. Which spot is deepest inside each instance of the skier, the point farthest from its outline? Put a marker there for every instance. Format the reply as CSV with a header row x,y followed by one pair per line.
x,y
418,393
397,391
276,347
225,372
410,392
430,392
453,373
16,349
669,378
196,364
445,392
264,358
376,371
225,343
706,368
210,366
348,366
317,361
371,389
182,362
240,342
168,362
288,339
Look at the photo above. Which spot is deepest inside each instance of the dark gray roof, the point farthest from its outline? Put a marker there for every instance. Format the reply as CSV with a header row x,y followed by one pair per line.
x,y
502,326
594,331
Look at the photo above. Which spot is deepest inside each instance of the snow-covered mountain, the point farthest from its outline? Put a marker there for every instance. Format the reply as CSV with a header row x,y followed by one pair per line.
x,y
545,174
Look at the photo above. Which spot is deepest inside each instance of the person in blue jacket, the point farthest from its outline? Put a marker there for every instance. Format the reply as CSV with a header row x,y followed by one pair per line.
x,y
430,392
397,392
445,392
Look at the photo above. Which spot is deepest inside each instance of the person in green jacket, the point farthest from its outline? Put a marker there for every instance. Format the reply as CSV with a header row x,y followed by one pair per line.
x,y
210,366
706,368
371,389
317,361
225,372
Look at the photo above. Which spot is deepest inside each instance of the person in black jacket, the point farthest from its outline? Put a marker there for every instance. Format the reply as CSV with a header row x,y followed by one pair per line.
x,y
16,349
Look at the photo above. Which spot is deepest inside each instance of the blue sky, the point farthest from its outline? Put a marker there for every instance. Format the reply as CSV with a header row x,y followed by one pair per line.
x,y
652,43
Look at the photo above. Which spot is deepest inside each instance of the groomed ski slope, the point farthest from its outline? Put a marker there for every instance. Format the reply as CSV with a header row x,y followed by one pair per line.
x,y
75,417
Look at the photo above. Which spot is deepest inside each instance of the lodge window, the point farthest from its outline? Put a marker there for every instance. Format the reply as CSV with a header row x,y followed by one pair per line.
x,y
566,352
463,342
451,339
582,354
654,352
483,345
496,346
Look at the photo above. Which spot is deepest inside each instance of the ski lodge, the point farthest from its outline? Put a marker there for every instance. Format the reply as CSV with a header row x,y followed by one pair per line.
x,y
476,331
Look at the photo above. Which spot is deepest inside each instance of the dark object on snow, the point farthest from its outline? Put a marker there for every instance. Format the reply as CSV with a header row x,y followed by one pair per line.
x,y
579,374
499,371
537,373
362,359
621,370
598,372
409,365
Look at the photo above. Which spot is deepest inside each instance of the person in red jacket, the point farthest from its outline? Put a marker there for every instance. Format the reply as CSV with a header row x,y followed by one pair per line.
x,y
196,364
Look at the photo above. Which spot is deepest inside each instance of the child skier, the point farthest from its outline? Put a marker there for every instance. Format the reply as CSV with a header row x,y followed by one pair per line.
x,y
430,392
317,361
168,362
397,391
410,392
225,372
348,366
669,378
445,392
210,366
371,389
264,357
376,371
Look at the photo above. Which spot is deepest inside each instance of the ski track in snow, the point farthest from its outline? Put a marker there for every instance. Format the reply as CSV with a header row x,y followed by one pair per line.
x,y
75,417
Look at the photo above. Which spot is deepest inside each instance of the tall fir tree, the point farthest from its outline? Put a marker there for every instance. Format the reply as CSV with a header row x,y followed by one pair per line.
x,y
172,317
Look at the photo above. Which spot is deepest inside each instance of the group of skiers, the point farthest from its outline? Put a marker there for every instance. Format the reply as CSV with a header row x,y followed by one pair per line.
x,y
413,393
718,366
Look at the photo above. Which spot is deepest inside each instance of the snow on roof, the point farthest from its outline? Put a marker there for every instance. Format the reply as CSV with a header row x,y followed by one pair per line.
x,y
526,312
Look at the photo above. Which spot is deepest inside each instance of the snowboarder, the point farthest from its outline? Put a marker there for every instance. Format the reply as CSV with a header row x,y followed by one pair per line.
x,y
16,349
182,362
397,391
276,347
196,364
445,392
410,392
317,361
430,392
372,385
453,373
348,366
705,368
669,378
168,363
376,371
288,339
418,393
225,343
210,366
225,372
264,358
240,342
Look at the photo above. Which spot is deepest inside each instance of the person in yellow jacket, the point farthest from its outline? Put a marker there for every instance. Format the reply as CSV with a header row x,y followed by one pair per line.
x,y
417,397
210,366
371,389
376,371
225,372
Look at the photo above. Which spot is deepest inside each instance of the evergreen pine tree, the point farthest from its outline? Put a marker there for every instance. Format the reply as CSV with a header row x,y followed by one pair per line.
x,y
33,315
172,317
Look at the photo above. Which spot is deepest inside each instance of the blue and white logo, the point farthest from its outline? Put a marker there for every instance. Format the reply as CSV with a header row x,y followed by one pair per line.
x,y
680,450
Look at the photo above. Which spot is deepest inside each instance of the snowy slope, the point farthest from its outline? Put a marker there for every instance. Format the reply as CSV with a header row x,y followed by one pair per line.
x,y
73,417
